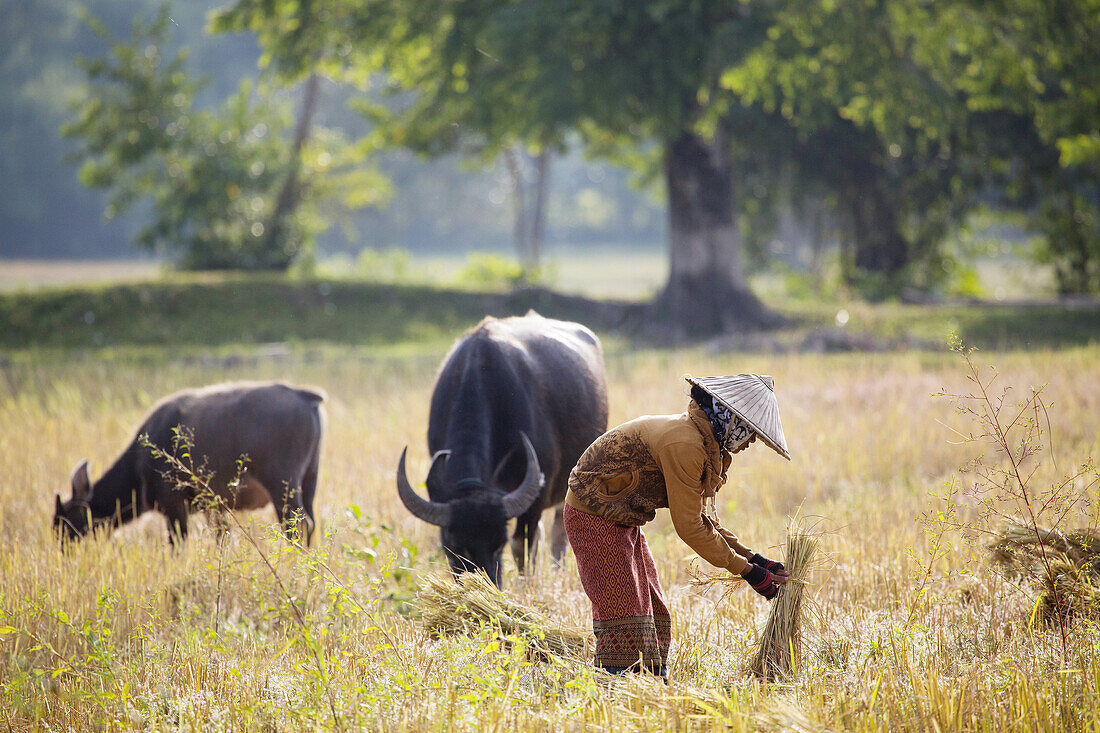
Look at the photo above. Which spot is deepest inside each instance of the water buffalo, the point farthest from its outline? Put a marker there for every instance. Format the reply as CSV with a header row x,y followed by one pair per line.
x,y
276,426
515,404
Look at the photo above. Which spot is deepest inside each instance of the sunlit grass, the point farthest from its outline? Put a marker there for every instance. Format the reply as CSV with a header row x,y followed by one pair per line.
x,y
122,632
423,307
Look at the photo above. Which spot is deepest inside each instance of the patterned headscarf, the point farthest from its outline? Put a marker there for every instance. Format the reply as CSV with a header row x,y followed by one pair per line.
x,y
731,431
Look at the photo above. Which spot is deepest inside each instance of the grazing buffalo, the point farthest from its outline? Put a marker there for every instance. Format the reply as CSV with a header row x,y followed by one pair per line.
x,y
516,403
276,427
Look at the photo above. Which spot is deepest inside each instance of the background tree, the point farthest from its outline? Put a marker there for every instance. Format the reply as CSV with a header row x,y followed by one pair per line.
x,y
1034,66
856,120
44,210
35,72
302,37
487,74
219,181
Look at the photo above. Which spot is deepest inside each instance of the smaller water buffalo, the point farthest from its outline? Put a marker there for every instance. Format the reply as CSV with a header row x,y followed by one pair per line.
x,y
275,426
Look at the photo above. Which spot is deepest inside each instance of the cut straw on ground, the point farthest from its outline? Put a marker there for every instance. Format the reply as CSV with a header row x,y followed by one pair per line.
x,y
1063,566
472,602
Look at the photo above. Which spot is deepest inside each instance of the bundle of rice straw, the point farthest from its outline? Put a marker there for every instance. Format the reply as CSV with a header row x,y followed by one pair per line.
x,y
473,602
1064,566
1081,546
781,640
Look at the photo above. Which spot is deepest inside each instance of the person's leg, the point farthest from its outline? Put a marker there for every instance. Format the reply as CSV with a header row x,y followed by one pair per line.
x,y
616,585
662,619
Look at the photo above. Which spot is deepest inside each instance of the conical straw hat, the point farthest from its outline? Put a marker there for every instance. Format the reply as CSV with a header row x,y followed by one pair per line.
x,y
752,397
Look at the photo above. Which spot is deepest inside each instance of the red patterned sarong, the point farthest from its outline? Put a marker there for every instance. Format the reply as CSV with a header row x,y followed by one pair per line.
x,y
629,616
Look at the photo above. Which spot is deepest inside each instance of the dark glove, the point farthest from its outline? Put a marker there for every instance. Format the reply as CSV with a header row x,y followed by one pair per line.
x,y
773,567
761,580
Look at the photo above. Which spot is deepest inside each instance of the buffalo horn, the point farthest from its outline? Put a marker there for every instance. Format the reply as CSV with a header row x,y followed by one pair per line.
x,y
432,512
520,500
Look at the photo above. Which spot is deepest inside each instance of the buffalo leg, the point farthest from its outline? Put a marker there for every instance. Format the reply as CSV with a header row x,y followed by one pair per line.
x,y
558,539
175,507
177,528
525,539
292,514
309,490
162,491
284,484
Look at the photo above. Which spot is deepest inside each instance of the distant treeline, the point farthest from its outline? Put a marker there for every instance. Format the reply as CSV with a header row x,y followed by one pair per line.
x,y
437,205
866,135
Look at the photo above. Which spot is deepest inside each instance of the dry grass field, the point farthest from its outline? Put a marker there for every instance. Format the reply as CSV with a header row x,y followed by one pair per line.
x,y
123,633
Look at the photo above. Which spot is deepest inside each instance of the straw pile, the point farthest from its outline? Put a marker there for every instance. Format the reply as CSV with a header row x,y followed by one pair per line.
x,y
473,603
1070,586
781,641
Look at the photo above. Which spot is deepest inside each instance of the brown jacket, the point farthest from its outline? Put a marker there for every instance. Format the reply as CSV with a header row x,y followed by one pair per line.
x,y
659,461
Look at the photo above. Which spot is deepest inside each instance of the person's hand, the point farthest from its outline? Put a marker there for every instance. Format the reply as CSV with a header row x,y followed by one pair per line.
x,y
761,580
782,575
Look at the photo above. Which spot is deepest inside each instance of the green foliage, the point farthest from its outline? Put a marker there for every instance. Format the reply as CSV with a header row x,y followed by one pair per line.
x,y
1070,218
479,77
214,178
253,309
1033,67
894,117
391,265
842,117
898,116
487,270
193,315
965,283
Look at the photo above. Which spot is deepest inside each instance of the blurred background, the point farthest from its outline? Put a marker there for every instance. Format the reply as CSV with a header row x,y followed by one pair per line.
x,y
701,154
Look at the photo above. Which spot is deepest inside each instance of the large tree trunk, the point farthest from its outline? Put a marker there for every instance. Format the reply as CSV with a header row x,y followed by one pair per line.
x,y
514,164
879,245
538,213
706,292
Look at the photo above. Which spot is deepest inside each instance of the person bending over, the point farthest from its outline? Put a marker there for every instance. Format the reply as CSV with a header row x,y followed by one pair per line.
x,y
653,462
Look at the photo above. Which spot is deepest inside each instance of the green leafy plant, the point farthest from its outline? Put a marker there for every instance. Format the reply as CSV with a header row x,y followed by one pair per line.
x,y
483,269
192,475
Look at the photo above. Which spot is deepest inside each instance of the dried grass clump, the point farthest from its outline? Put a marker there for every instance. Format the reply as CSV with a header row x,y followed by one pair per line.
x,y
781,642
472,602
786,716
1068,577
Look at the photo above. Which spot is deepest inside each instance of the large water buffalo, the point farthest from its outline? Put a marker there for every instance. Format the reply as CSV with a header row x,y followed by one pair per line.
x,y
275,426
515,404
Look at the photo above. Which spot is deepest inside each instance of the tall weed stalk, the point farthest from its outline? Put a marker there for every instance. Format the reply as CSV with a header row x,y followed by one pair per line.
x,y
1004,487
196,479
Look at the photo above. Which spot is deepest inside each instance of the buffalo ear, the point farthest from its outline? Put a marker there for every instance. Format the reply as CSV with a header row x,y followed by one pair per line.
x,y
59,508
81,485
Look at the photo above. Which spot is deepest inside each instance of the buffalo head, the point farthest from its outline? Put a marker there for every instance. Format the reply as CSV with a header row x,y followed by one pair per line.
x,y
72,519
471,516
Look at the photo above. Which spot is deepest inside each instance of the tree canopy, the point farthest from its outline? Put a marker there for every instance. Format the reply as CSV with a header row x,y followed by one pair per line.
x,y
218,180
884,121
